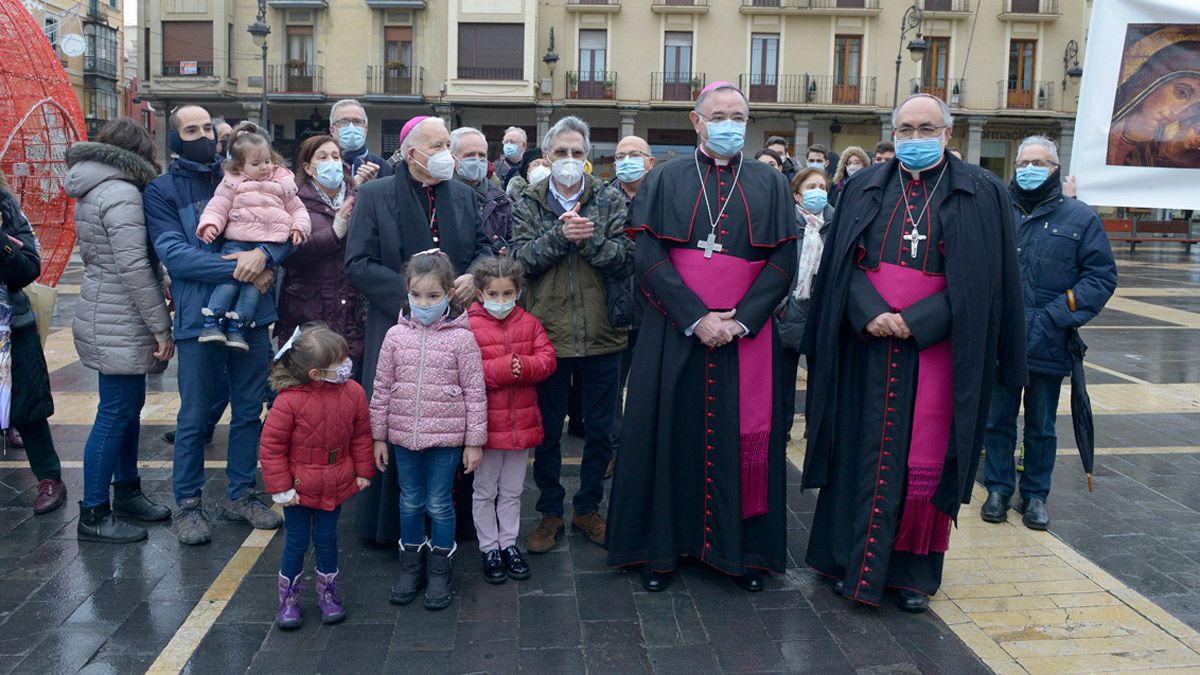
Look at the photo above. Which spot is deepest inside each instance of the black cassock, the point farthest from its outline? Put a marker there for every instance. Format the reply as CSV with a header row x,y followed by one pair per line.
x,y
861,389
678,483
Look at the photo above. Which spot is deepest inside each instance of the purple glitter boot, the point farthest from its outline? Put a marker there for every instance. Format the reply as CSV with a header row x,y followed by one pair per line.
x,y
332,610
288,617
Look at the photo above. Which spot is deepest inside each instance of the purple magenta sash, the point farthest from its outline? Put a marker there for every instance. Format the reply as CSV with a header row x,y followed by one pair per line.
x,y
922,527
720,282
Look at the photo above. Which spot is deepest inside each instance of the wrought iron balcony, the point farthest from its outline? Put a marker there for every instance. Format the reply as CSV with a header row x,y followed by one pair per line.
x,y
593,5
947,6
187,69
1018,95
808,89
953,92
1026,10
592,85
484,73
296,78
679,6
676,86
394,80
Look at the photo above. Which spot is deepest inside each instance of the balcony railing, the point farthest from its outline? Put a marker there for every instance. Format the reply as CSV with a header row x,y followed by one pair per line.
x,y
477,73
187,69
681,6
296,78
590,4
953,92
94,65
1018,95
840,4
592,85
808,89
947,5
1045,7
394,80
676,86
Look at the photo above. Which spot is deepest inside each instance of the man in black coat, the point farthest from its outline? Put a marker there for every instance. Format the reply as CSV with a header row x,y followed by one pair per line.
x,y
418,208
1068,275
919,273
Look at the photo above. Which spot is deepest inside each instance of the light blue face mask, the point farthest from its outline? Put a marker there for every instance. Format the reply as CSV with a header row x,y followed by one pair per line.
x,y
726,137
918,154
500,310
815,200
1030,177
817,165
630,169
351,138
512,150
427,315
330,174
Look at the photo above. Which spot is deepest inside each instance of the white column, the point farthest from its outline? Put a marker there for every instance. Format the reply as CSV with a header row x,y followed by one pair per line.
x,y
800,135
628,117
1066,143
543,124
885,126
975,138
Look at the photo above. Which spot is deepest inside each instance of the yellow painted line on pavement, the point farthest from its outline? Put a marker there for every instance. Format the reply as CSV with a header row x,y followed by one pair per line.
x,y
1155,292
1116,373
1150,310
175,656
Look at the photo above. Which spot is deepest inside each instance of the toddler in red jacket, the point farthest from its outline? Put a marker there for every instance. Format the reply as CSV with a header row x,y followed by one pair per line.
x,y
316,453
517,354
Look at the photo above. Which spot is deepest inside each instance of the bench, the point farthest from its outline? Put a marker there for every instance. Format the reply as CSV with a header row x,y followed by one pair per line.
x,y
1134,231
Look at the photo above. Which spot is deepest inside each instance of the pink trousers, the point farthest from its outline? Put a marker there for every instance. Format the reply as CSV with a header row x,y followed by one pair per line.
x,y
499,481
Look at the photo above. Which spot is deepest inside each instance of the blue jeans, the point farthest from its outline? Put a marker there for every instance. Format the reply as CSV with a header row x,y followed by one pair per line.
x,y
426,478
111,452
206,372
601,375
234,296
302,523
1041,443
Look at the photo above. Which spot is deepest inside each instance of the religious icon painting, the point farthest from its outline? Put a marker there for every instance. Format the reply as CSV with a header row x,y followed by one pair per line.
x,y
1137,129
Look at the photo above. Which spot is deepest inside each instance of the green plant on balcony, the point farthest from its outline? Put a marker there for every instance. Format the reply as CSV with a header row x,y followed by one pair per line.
x,y
697,84
610,87
572,84
396,69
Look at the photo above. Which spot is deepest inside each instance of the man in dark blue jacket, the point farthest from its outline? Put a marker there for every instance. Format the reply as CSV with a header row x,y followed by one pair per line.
x,y
173,204
1067,274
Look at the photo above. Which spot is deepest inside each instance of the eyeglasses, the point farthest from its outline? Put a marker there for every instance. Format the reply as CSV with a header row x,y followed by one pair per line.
x,y
349,121
1043,163
636,153
923,131
720,117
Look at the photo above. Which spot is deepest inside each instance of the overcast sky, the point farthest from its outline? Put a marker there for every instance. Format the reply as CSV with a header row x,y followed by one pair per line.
x,y
130,12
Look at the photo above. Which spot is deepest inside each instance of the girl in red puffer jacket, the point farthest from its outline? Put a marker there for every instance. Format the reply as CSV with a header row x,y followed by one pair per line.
x,y
316,453
517,354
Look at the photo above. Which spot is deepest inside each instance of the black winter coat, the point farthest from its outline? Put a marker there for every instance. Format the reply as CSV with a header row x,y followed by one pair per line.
x,y
20,265
1061,245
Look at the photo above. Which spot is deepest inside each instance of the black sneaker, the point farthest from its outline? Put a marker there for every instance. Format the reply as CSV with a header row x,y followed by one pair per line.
x,y
234,339
514,564
212,330
493,567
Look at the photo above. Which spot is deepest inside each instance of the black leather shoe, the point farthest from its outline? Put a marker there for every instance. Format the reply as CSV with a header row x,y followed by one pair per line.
x,y
1033,513
912,601
514,563
653,581
493,567
751,582
839,586
995,509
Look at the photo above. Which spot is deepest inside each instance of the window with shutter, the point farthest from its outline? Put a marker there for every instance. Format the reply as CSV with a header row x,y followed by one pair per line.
x,y
491,51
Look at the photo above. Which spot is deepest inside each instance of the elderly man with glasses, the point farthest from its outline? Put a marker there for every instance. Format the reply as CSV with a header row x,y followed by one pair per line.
x,y
348,126
1067,274
916,314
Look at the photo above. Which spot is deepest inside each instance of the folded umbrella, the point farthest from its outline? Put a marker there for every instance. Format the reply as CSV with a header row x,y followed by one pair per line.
x,y
1081,406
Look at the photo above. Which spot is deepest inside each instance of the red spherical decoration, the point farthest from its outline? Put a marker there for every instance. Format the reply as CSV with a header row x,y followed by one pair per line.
x,y
39,119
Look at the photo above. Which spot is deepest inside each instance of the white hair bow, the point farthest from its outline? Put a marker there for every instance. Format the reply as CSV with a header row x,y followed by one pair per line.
x,y
287,345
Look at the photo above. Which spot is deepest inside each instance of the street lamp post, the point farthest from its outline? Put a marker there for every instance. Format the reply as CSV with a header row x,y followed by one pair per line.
x,y
259,30
914,17
1074,72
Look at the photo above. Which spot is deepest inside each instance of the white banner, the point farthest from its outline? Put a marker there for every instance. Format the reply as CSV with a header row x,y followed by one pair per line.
x,y
1137,132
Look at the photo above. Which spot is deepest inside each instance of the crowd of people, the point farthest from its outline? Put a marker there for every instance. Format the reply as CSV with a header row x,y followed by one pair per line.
x,y
415,327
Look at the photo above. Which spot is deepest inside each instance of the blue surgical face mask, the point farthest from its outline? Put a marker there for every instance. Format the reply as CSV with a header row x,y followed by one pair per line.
x,y
815,200
817,165
630,169
1030,177
500,310
726,137
341,374
427,315
512,150
331,174
918,154
351,138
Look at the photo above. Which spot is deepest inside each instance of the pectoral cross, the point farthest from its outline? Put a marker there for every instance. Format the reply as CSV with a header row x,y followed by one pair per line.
x,y
914,238
709,245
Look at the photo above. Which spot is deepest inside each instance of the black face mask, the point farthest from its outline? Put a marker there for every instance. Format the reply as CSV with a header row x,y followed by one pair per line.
x,y
203,150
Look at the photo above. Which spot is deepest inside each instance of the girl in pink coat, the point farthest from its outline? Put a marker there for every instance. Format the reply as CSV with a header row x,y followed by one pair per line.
x,y
429,404
255,203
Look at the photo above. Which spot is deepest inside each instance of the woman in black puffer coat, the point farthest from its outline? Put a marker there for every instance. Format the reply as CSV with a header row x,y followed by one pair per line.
x,y
20,265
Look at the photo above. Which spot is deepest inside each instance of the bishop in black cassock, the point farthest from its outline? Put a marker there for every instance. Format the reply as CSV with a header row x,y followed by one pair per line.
x,y
701,471
896,408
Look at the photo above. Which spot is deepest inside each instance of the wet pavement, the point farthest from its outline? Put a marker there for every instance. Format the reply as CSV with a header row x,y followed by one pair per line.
x,y
1115,585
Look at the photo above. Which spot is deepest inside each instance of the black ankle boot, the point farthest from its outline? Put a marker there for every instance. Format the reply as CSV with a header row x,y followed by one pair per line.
x,y
412,574
440,589
97,523
129,501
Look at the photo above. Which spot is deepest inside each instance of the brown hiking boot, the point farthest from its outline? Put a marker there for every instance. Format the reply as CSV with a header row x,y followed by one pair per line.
x,y
593,526
545,534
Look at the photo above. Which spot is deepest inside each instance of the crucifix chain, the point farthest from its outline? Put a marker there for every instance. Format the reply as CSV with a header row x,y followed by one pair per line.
x,y
710,244
915,238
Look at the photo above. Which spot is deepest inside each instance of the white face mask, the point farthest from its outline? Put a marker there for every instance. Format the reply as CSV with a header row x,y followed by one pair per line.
x,y
538,174
440,165
852,169
568,171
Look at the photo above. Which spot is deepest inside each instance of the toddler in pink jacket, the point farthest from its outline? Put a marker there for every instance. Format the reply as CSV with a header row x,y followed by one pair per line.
x,y
255,204
429,400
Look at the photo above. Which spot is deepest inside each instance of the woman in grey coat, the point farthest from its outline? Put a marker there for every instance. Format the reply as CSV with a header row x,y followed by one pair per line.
x,y
121,328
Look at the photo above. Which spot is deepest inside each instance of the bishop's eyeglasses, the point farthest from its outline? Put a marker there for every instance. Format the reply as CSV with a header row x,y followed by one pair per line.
x,y
924,131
